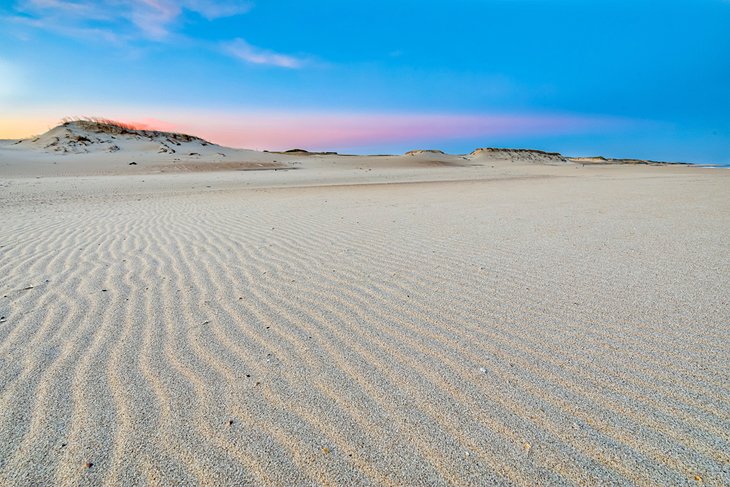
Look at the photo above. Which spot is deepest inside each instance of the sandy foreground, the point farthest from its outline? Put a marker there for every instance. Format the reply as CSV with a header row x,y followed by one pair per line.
x,y
364,321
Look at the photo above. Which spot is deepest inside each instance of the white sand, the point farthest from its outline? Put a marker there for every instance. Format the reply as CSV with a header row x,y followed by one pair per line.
x,y
355,321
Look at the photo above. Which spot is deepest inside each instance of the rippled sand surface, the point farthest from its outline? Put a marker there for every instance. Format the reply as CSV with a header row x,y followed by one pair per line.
x,y
562,326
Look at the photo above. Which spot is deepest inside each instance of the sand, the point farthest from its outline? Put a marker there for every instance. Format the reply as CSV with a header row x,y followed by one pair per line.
x,y
415,320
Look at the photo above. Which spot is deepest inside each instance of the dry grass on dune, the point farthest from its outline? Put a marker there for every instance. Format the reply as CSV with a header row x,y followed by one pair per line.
x,y
102,125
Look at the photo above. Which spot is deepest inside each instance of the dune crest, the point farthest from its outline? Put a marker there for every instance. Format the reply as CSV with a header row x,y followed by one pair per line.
x,y
529,155
419,152
84,136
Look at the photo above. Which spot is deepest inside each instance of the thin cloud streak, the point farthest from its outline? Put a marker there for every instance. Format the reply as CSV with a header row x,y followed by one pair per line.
x,y
242,50
150,19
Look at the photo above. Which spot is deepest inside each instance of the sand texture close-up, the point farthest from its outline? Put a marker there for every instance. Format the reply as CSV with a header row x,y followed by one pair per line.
x,y
426,319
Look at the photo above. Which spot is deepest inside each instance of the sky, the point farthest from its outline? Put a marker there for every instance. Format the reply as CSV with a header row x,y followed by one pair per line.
x,y
638,78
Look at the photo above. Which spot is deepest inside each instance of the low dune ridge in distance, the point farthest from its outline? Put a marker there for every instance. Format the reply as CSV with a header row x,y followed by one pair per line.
x,y
608,160
302,152
531,155
235,317
419,152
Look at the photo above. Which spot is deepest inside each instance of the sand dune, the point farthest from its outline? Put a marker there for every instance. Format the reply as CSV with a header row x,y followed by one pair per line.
x,y
518,155
82,136
365,321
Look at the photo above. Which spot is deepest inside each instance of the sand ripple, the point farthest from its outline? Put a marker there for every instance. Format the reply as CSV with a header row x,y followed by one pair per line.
x,y
456,333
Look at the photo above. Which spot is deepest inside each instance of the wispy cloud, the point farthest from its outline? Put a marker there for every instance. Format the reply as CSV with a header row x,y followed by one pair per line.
x,y
123,22
240,49
149,19
216,9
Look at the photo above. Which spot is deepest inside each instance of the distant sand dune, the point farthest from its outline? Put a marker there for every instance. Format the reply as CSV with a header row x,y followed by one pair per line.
x,y
530,155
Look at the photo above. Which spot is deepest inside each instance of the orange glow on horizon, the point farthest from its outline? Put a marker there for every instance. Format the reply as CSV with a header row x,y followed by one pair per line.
x,y
23,128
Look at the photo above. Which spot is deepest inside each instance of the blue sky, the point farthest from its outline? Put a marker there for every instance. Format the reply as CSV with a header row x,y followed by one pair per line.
x,y
620,78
